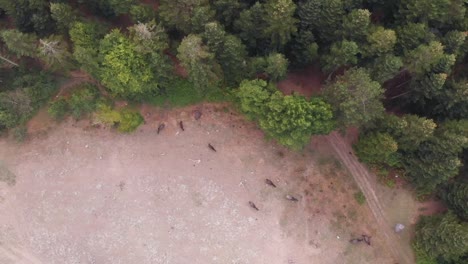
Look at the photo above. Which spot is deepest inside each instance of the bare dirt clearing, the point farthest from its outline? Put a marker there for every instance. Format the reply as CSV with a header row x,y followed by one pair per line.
x,y
86,195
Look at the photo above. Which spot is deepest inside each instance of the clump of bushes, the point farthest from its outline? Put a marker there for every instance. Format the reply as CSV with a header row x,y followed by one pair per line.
x,y
360,198
125,120
23,97
58,109
81,103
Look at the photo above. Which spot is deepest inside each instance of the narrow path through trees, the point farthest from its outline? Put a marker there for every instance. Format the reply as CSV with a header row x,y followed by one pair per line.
x,y
367,182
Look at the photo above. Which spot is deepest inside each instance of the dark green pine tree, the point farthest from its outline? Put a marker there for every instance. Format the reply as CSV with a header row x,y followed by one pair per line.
x,y
441,237
456,196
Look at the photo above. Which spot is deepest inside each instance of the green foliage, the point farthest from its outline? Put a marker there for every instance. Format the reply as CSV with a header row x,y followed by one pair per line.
x,y
233,60
120,6
413,131
377,148
441,237
427,87
424,58
126,120
360,198
355,98
437,13
54,51
58,109
64,16
199,62
291,120
437,159
181,92
22,44
86,34
356,25
324,16
276,66
127,70
304,49
455,195
280,21
227,11
229,51
142,13
453,40
83,101
182,14
251,25
341,54
411,35
380,41
28,93
385,67
20,133
253,96
30,15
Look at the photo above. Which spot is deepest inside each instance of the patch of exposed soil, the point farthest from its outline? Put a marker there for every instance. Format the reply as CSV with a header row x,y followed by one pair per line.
x,y
307,81
87,195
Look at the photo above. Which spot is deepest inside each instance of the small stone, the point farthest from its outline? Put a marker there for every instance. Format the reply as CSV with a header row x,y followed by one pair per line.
x,y
399,227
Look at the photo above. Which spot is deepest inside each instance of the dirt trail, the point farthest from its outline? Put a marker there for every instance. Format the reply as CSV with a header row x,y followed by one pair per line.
x,y
366,182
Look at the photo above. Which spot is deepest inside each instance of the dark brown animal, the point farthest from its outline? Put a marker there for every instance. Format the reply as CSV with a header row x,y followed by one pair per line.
x,y
211,147
197,114
291,198
269,182
253,206
161,128
355,240
367,239
181,124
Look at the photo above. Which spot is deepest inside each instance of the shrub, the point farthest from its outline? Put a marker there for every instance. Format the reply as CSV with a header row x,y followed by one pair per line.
x,y
360,198
84,100
377,148
20,134
126,120
58,109
129,120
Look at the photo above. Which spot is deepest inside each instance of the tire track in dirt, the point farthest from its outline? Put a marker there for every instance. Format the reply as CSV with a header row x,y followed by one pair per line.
x,y
366,182
17,255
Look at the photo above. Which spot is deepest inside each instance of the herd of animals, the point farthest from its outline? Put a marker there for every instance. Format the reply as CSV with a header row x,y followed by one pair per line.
x,y
197,115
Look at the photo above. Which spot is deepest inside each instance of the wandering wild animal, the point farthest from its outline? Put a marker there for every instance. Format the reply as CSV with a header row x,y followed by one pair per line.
x,y
253,206
367,239
181,125
291,198
161,127
355,240
197,114
269,182
211,147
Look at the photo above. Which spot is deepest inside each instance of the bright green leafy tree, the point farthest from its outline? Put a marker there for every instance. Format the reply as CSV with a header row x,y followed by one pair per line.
x,y
291,120
126,71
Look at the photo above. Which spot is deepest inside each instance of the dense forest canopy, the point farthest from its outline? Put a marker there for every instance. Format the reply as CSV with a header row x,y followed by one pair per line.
x,y
395,69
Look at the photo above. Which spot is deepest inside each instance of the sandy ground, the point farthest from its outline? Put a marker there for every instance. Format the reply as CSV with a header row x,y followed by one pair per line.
x,y
85,195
